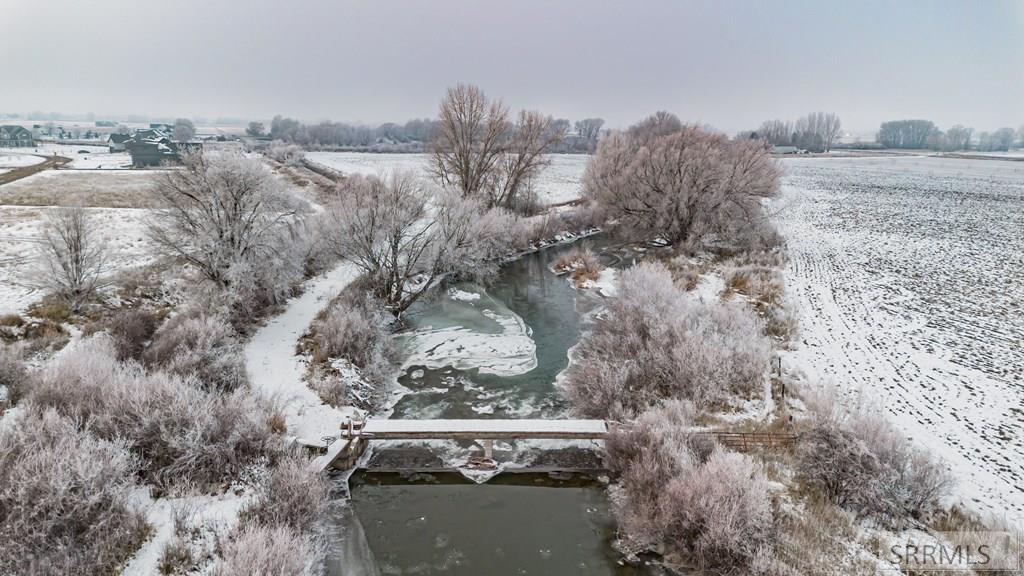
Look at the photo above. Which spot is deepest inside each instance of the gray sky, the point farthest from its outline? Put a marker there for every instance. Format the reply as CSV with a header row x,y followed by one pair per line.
x,y
729,64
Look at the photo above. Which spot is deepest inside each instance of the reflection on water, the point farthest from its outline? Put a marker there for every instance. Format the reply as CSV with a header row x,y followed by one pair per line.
x,y
515,524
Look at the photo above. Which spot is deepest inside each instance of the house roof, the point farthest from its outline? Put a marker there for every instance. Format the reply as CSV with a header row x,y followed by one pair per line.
x,y
12,129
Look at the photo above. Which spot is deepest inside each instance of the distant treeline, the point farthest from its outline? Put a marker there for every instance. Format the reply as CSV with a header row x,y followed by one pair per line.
x,y
924,134
815,132
412,136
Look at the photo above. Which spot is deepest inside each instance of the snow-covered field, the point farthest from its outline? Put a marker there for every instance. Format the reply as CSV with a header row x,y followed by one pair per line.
x,y
95,157
122,230
115,198
559,182
909,273
11,159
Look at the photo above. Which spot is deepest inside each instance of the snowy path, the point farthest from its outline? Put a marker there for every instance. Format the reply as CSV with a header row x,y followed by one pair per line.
x,y
277,372
909,279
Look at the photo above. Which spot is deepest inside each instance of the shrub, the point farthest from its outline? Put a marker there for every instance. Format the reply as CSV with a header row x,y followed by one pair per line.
x,y
720,515
13,375
205,346
130,330
580,263
761,283
269,551
288,154
176,557
181,432
653,343
293,495
356,329
858,461
679,492
64,498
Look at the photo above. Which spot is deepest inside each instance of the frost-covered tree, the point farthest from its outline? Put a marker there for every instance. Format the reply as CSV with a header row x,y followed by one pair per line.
x,y
403,238
73,258
255,129
653,343
184,130
220,211
480,153
589,130
958,138
664,181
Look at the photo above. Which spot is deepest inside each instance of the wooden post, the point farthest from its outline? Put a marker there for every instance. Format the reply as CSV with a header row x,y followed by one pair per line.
x,y
488,449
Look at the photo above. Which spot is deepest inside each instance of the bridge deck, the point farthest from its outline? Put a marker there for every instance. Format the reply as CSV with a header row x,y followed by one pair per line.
x,y
480,429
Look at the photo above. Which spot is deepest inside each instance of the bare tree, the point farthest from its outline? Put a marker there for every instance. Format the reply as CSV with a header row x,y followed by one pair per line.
x,y
776,132
390,229
73,257
958,138
468,144
220,211
589,130
829,126
479,152
675,185
184,130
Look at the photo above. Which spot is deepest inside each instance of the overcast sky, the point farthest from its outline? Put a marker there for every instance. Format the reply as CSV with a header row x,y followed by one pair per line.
x,y
729,64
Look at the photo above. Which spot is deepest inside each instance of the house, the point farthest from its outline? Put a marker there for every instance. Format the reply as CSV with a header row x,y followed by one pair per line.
x,y
15,137
151,147
115,143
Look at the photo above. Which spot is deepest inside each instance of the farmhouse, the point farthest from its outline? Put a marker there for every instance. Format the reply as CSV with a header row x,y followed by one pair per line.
x,y
15,137
115,143
153,147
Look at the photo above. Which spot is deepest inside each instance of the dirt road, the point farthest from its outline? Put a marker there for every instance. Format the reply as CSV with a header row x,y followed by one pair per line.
x,y
47,163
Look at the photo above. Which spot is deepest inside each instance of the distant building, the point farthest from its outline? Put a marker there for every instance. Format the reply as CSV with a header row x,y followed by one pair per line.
x,y
154,147
116,142
785,150
15,137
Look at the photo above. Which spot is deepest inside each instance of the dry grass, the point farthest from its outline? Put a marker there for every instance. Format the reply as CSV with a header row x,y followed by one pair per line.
x,y
265,551
580,263
90,189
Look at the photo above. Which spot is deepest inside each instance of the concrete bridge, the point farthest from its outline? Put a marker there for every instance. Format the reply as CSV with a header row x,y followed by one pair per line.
x,y
356,434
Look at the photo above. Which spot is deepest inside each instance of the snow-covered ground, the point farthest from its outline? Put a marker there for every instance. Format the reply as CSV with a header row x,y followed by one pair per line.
x,y
559,182
95,157
909,273
122,230
10,159
277,372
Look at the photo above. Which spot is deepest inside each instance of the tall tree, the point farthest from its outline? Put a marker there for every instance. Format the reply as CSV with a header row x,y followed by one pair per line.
x,y
385,228
677,184
480,153
220,211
